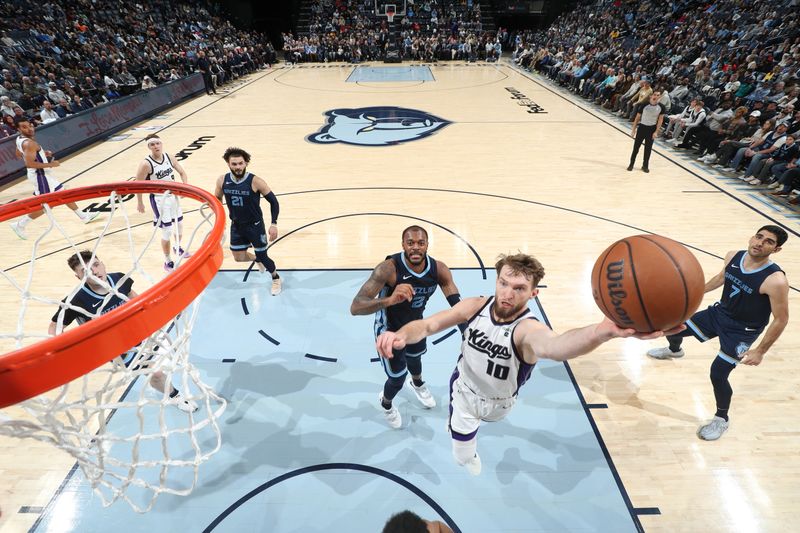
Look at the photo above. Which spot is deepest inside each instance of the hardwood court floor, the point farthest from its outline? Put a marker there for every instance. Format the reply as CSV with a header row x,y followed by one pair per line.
x,y
496,179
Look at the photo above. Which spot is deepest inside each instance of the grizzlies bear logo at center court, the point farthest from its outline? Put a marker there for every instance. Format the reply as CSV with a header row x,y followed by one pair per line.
x,y
377,126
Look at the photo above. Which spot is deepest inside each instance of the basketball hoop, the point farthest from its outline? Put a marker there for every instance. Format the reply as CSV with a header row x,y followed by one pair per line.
x,y
155,326
390,12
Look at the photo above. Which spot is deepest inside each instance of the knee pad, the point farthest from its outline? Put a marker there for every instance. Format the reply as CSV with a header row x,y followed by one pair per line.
x,y
463,451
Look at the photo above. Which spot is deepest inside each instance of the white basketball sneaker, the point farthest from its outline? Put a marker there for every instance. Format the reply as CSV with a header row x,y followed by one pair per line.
x,y
423,394
184,404
714,429
392,415
665,353
19,230
277,286
88,217
474,465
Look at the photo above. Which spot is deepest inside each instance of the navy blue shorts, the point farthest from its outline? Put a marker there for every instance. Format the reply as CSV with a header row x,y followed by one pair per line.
x,y
247,234
396,366
734,337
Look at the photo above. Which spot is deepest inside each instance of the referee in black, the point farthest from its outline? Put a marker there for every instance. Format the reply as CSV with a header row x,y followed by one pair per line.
x,y
646,125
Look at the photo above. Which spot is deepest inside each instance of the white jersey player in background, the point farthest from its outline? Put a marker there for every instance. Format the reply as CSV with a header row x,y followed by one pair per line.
x,y
501,345
167,214
38,161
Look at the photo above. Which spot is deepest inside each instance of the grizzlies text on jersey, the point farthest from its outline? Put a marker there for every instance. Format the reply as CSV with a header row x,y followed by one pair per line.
x,y
244,204
424,285
741,300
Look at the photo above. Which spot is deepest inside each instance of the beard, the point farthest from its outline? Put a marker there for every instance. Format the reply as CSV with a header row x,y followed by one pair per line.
x,y
239,174
504,314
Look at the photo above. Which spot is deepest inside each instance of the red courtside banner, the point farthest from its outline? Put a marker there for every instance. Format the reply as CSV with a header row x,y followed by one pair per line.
x,y
76,131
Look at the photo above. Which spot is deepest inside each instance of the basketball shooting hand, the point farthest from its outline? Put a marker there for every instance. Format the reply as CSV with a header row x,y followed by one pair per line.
x,y
272,233
54,163
752,357
402,293
387,341
610,330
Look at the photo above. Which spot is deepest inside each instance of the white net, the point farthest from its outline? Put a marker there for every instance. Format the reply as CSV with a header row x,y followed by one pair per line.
x,y
141,424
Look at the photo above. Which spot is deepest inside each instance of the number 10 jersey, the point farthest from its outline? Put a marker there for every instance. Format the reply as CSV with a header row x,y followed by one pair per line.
x,y
489,363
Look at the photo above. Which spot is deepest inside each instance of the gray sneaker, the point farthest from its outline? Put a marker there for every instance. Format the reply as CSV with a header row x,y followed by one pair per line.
x,y
665,353
714,429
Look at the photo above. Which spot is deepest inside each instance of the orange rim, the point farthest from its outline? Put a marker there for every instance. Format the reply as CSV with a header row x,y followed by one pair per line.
x,y
47,364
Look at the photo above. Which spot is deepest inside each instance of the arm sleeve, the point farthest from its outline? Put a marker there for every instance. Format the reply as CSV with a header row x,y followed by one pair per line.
x,y
274,207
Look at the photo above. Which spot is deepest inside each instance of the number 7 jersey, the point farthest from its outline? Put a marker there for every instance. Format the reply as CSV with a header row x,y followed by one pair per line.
x,y
489,363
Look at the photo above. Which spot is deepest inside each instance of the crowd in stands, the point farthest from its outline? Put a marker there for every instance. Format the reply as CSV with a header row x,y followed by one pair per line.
x,y
60,57
430,30
727,72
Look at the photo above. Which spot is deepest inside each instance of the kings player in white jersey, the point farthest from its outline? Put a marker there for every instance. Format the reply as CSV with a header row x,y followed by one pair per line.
x,y
501,345
167,214
38,161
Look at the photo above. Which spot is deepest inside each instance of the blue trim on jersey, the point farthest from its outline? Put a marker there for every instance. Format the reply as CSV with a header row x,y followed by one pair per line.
x,y
420,354
411,271
728,358
762,267
697,332
240,247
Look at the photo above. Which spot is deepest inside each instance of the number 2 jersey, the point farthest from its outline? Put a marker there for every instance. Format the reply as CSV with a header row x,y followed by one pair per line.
x,y
424,284
489,363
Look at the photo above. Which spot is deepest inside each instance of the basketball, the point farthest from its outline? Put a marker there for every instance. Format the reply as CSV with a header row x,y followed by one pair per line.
x,y
648,283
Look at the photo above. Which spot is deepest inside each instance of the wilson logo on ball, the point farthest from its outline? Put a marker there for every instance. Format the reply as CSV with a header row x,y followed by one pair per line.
x,y
615,273
647,283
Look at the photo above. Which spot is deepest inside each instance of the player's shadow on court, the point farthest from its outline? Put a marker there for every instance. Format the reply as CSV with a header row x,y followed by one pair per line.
x,y
265,449
628,395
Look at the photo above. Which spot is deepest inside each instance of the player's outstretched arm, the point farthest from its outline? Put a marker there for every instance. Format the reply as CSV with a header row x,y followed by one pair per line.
x,y
419,329
537,341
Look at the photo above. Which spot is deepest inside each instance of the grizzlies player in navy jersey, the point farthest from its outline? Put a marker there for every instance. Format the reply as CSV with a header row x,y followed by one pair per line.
x,y
242,191
397,291
93,299
753,288
167,214
501,344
